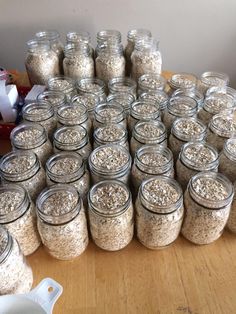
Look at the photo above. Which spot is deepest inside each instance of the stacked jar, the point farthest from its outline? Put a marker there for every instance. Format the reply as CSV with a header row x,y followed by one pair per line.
x,y
62,84
159,97
151,83
183,81
91,101
92,86
211,79
55,98
192,93
122,85
123,99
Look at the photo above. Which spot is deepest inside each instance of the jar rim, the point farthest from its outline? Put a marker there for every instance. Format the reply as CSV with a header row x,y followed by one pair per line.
x,y
192,93
118,97
211,109
139,116
117,83
78,144
100,141
153,96
215,128
82,117
9,245
35,44
189,137
75,36
109,105
46,95
133,34
82,84
143,81
231,155
220,75
177,111
184,77
42,104
58,78
142,138
47,34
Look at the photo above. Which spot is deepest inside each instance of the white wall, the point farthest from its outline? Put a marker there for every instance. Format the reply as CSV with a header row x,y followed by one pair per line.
x,y
195,35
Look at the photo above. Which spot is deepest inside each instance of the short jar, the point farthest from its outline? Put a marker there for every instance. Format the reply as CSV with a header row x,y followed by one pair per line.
x,y
228,159
182,81
225,90
94,86
123,99
55,98
80,37
159,97
122,85
62,84
192,93
151,83
90,100
211,79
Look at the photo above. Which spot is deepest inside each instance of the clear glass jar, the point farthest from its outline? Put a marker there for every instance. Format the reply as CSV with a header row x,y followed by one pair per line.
x,y
124,85
80,37
148,133
72,138
231,223
159,97
179,107
62,222
110,62
41,112
214,104
185,130
182,81
56,99
107,37
123,99
17,215
109,113
32,137
132,36
192,93
63,84
23,167
210,79
16,275
68,167
207,203
41,62
111,215
228,159
150,161
78,62
225,90
195,157
151,83
91,101
146,58
110,162
111,134
159,212
92,86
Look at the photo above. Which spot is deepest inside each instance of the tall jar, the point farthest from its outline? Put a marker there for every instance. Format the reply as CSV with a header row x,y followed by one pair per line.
x,y
182,81
23,167
80,37
122,85
207,202
41,62
159,212
78,62
55,98
107,37
231,223
73,139
32,137
91,101
111,216
41,112
151,83
150,161
210,79
228,159
92,86
195,157
192,93
159,97
146,58
62,222
185,130
123,99
110,162
63,84
16,275
148,133
18,216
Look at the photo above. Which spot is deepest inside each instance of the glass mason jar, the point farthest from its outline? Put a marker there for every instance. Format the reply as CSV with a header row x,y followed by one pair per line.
x,y
207,202
179,107
78,62
68,167
107,37
159,97
62,222
192,93
23,167
148,133
91,101
225,90
41,112
92,86
56,99
214,104
62,84
159,212
150,161
151,83
80,37
123,99
221,127
41,62
72,138
16,275
124,85
17,215
228,159
32,137
231,223
109,113
110,162
182,81
132,36
55,43
195,157
146,58
210,79
110,62
111,222
185,130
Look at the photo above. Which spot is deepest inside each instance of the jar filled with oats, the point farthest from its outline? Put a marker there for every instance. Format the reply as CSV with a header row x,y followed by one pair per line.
x,y
62,84
23,167
80,37
78,62
192,93
55,98
210,79
182,81
41,112
62,222
207,202
91,101
228,159
148,133
41,62
92,86
159,212
111,216
231,223
146,58
225,90
185,130
32,137
111,134
18,216
122,85
16,275
110,162
159,97
72,138
151,83
107,37
150,161
195,157
68,167
123,99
